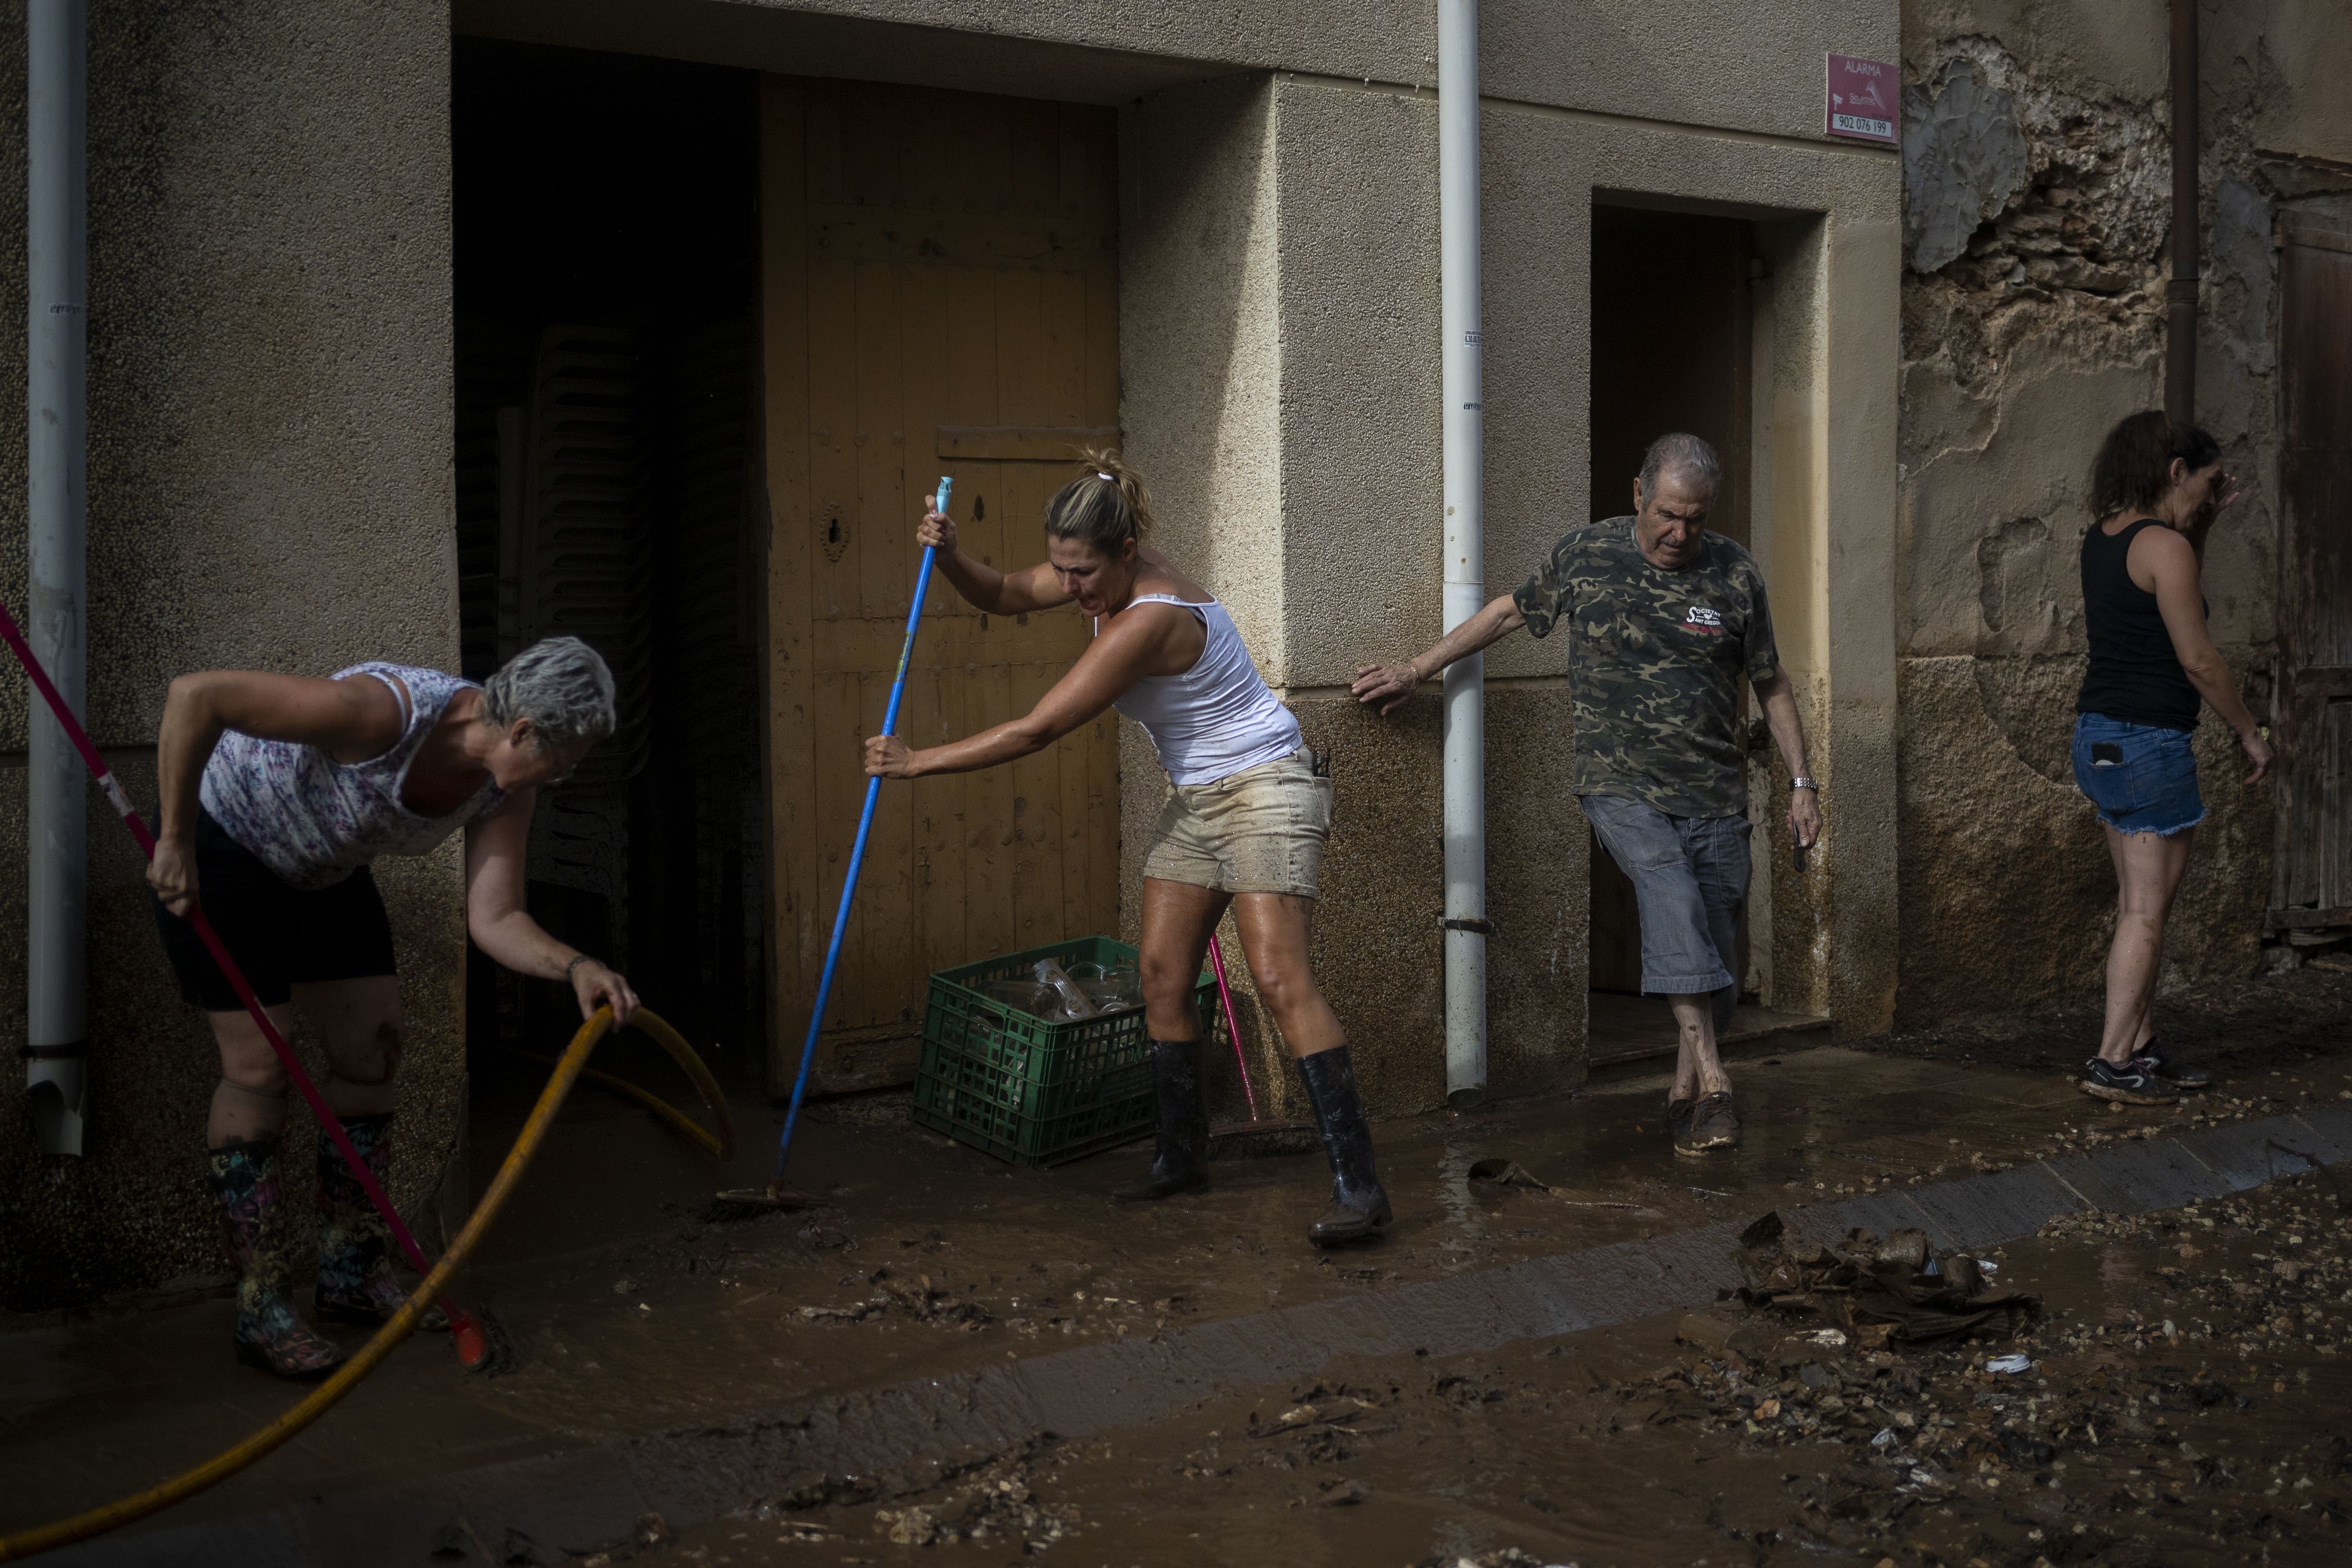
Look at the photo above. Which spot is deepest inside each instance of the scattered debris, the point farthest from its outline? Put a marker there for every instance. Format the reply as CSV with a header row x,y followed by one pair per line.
x,y
1336,1411
2162,1415
1001,1505
921,1300
650,1533
1897,1280
983,1496
856,1312
1506,1173
1510,1173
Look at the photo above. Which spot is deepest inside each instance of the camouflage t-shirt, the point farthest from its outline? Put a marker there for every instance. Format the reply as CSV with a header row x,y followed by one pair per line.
x,y
1653,661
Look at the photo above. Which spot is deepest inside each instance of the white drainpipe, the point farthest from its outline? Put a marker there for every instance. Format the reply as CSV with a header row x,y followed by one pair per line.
x,y
1465,549
57,213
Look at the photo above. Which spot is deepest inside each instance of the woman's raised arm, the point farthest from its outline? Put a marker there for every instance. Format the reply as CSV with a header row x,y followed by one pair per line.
x,y
982,586
1130,648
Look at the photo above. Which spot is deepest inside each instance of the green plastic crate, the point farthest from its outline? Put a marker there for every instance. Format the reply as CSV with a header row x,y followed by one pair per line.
x,y
1026,1089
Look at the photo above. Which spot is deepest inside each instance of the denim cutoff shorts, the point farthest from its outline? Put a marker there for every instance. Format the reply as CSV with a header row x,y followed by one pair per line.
x,y
1690,886
2141,776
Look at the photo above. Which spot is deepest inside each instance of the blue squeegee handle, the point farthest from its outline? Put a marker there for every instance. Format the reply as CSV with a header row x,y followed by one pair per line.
x,y
858,848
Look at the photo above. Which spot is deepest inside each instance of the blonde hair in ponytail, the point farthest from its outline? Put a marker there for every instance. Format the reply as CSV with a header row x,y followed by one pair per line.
x,y
1104,506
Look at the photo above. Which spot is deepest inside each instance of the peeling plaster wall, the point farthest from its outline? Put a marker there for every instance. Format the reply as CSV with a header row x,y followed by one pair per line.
x,y
2038,207
269,486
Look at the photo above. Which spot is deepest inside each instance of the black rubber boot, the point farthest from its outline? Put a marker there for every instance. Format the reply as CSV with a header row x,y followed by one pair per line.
x,y
1182,1160
1359,1209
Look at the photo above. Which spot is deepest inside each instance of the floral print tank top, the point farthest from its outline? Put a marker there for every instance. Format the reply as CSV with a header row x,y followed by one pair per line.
x,y
315,821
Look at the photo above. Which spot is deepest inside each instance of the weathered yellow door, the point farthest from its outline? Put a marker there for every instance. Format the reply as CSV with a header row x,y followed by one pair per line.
x,y
939,297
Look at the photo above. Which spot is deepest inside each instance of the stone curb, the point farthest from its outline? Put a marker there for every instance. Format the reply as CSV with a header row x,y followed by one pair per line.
x,y
575,1497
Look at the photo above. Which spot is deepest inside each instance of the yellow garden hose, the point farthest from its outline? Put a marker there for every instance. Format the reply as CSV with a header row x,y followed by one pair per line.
x,y
222,1466
718,1144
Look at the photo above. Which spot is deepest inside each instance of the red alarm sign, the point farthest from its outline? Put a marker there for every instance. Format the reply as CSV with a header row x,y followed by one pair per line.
x,y
1862,100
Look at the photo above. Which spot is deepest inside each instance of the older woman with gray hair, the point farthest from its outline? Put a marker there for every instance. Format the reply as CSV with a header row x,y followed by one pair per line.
x,y
277,792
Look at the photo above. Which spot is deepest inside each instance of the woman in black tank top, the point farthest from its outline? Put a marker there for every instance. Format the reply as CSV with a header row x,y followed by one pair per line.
x,y
2156,491
2135,676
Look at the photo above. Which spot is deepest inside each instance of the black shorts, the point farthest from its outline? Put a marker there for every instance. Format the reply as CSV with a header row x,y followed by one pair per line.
x,y
279,935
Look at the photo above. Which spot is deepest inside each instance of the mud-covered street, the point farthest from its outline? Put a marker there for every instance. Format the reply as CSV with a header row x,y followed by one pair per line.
x,y
2182,1405
949,1362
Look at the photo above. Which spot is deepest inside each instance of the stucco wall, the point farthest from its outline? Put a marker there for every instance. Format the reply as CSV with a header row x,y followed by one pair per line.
x,y
1279,370
1734,64
269,480
2034,319
269,486
1215,356
1825,218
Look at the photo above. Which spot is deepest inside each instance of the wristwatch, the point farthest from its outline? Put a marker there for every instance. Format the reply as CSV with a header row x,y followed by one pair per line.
x,y
1801,782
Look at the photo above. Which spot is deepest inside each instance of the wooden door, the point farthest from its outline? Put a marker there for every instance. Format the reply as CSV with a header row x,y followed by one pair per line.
x,y
2313,883
939,295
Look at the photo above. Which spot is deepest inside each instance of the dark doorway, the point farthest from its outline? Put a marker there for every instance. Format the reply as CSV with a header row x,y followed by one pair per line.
x,y
2313,891
1671,352
606,275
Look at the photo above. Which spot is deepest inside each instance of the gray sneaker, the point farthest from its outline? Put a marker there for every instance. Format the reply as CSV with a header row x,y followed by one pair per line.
x,y
1710,1121
2130,1085
2160,1064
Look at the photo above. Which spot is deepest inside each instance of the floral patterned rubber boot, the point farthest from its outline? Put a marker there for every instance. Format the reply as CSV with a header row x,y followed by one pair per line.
x,y
269,1332
356,1282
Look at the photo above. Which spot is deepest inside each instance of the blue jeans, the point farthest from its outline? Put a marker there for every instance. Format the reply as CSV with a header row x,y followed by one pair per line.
x,y
1690,883
2141,776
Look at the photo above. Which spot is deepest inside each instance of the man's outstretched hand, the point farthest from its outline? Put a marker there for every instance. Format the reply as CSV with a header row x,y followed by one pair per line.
x,y
1383,686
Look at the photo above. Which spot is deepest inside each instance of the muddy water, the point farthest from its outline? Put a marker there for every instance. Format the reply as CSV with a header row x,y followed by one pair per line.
x,y
633,1313
934,1259
2186,1406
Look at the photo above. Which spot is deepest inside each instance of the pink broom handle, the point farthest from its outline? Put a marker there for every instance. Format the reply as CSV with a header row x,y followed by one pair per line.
x,y
1232,1028
462,1325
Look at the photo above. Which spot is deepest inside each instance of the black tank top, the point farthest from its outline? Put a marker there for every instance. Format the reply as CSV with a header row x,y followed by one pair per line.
x,y
2135,675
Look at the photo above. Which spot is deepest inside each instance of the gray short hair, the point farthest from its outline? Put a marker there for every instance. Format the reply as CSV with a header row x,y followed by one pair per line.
x,y
561,685
1684,452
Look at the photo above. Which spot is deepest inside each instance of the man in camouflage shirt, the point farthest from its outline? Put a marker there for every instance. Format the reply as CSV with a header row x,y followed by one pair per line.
x,y
1663,619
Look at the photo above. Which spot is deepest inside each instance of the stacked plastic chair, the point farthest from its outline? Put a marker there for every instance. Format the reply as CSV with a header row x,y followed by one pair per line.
x,y
582,568
708,586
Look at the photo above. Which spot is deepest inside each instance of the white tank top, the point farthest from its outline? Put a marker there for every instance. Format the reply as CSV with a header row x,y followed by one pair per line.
x,y
1217,718
314,820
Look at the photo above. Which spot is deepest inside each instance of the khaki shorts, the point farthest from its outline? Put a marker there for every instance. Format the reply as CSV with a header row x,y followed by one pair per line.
x,y
1261,831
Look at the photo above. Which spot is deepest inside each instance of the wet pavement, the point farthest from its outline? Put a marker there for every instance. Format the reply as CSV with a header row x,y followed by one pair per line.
x,y
2157,1423
637,1319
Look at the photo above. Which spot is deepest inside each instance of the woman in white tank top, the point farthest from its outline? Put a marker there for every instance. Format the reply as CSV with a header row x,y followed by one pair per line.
x,y
1244,825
